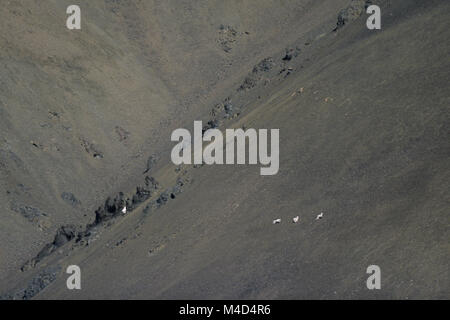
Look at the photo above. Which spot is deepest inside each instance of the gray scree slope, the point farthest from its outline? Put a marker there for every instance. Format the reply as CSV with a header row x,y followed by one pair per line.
x,y
364,137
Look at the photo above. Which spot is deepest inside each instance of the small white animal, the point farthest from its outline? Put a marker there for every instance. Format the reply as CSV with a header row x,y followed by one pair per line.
x,y
319,216
124,210
295,220
276,221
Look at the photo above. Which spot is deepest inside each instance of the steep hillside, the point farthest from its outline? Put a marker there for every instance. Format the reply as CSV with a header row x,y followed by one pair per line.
x,y
364,138
83,111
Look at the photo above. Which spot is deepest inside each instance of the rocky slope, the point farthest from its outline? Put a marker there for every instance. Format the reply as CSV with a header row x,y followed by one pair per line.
x,y
86,119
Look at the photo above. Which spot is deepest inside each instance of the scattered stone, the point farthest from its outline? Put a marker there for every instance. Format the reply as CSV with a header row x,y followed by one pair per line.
x,y
151,162
178,188
53,114
352,12
249,82
111,208
63,235
228,107
299,91
162,198
291,53
253,77
121,241
264,65
70,199
276,221
295,219
45,125
91,149
36,144
169,193
32,214
122,133
211,124
319,216
37,284
287,57
227,37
